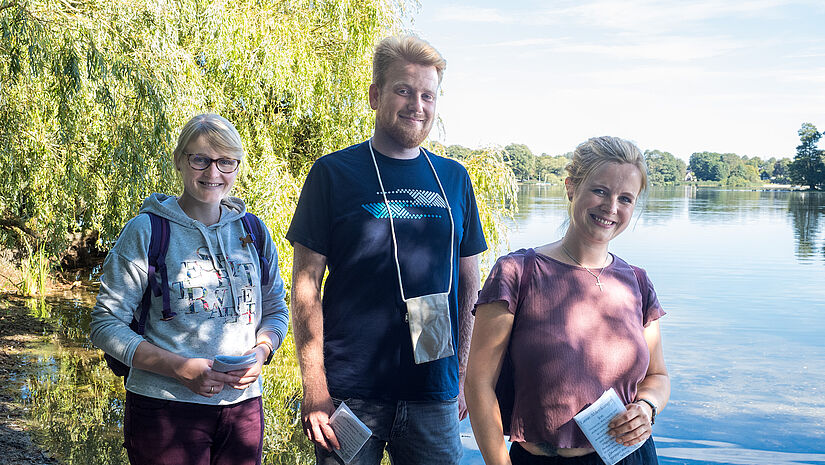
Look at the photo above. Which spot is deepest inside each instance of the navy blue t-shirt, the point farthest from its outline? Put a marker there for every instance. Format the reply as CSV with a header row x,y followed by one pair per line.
x,y
341,214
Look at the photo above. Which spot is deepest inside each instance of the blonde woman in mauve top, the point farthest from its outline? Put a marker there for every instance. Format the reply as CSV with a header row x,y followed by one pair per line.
x,y
587,322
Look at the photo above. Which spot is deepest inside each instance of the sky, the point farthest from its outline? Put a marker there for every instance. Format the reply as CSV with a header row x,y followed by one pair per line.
x,y
679,76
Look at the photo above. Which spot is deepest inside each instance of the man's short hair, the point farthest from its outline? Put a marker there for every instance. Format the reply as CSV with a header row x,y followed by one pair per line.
x,y
407,48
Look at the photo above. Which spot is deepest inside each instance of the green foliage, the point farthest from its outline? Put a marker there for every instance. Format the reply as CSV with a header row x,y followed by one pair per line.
x,y
72,401
34,273
284,439
458,152
496,191
550,169
664,169
725,168
781,171
808,167
521,160
93,93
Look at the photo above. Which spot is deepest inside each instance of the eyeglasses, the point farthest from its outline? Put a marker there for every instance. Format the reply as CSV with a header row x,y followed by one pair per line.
x,y
201,162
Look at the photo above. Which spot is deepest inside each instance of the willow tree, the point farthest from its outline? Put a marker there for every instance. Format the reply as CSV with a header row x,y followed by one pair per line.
x,y
93,92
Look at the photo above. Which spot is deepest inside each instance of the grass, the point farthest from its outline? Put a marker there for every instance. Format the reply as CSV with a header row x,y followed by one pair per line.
x,y
34,274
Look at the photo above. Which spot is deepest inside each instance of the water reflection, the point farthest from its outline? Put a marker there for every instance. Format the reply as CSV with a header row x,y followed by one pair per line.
x,y
715,452
75,403
806,209
746,206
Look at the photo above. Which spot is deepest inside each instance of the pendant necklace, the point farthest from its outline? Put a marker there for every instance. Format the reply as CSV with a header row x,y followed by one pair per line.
x,y
597,276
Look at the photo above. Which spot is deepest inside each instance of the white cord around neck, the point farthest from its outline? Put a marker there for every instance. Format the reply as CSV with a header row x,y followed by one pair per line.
x,y
392,224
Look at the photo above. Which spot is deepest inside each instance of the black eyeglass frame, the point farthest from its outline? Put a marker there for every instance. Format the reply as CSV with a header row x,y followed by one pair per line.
x,y
216,161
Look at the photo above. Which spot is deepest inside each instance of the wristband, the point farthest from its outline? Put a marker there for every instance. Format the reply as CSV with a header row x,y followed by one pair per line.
x,y
271,350
653,409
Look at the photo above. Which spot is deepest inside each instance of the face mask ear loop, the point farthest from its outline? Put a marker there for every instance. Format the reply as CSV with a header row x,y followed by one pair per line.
x,y
452,222
392,223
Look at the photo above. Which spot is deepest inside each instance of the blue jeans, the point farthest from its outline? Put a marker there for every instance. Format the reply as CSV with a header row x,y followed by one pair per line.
x,y
414,433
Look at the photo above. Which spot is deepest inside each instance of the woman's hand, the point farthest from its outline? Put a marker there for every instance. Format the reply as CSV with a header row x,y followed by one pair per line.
x,y
249,375
197,375
632,426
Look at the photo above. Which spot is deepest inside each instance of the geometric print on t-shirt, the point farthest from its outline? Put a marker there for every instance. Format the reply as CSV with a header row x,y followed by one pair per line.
x,y
418,199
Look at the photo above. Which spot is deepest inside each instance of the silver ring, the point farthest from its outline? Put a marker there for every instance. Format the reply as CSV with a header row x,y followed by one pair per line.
x,y
211,388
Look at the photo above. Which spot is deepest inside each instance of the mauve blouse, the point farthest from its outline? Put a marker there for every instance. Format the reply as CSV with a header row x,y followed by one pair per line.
x,y
570,341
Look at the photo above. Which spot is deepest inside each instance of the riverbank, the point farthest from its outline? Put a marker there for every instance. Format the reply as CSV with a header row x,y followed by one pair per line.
x,y
18,331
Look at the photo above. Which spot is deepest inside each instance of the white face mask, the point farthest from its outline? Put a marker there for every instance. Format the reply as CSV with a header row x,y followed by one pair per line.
x,y
428,315
430,328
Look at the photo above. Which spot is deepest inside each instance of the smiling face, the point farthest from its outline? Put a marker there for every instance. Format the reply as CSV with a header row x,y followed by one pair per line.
x,y
603,203
405,105
204,187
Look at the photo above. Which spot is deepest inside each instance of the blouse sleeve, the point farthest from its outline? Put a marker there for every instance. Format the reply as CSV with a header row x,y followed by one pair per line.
x,y
503,282
652,309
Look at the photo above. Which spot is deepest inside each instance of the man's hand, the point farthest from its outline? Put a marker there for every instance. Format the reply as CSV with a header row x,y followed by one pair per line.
x,y
315,413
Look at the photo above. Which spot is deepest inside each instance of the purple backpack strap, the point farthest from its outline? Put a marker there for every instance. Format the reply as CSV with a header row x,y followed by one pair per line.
x,y
252,225
159,286
158,244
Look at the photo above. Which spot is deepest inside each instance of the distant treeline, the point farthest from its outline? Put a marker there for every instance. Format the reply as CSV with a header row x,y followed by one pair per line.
x,y
726,169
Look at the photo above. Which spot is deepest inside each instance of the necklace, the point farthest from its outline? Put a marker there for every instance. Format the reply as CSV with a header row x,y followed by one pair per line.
x,y
597,276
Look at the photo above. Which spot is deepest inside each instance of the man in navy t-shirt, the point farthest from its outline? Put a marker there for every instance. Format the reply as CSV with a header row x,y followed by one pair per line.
x,y
392,222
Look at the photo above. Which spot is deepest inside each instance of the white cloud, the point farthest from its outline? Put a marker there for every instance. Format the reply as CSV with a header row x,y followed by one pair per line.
x,y
471,14
652,15
679,76
668,49
627,15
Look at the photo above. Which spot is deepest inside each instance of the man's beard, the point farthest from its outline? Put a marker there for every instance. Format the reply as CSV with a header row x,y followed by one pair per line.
x,y
406,137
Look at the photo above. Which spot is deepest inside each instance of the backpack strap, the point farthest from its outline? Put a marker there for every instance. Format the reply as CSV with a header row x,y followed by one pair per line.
x,y
252,225
158,245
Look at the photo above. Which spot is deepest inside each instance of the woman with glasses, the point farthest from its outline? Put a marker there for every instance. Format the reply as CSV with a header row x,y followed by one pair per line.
x,y
573,320
178,409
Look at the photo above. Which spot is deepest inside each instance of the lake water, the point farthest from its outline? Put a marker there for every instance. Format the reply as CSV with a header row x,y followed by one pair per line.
x,y
741,275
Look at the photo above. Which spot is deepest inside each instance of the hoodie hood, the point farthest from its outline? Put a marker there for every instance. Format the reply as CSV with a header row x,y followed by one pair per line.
x,y
232,209
166,206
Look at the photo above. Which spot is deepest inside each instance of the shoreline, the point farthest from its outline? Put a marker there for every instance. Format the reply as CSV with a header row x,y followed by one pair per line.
x,y
18,331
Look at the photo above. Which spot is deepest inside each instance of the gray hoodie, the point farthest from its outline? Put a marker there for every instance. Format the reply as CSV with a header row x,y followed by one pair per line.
x,y
214,287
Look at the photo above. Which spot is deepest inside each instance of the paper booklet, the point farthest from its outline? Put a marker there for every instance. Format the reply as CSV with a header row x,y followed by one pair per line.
x,y
593,422
351,432
225,363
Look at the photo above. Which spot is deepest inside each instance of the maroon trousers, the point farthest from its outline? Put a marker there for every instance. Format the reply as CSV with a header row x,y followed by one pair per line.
x,y
161,432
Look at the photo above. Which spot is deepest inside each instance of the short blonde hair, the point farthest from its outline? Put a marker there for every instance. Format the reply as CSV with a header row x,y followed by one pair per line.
x,y
598,151
407,48
219,132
